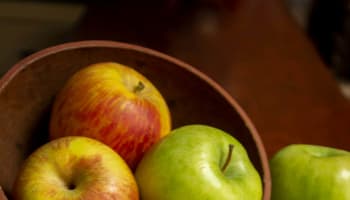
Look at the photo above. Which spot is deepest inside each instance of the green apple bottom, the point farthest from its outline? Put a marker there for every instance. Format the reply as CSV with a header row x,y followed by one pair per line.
x,y
192,162
310,172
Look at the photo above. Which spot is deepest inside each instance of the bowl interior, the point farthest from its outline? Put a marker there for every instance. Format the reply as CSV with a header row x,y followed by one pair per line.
x,y
28,89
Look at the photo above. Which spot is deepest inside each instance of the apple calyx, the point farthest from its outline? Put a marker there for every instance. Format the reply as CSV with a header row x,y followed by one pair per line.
x,y
228,158
139,87
71,186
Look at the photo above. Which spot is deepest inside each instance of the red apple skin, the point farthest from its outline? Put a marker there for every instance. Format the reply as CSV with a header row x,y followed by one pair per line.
x,y
100,102
75,168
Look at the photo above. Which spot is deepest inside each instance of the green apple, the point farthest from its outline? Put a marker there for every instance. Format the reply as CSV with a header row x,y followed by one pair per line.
x,y
198,162
75,168
310,172
115,104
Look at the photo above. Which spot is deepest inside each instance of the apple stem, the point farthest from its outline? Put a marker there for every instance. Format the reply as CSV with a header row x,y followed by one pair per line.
x,y
139,87
228,159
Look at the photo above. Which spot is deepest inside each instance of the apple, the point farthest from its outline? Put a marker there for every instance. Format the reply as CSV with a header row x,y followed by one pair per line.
x,y
114,104
309,172
198,162
75,168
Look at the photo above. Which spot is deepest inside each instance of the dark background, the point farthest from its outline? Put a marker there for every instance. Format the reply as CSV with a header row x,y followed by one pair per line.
x,y
147,22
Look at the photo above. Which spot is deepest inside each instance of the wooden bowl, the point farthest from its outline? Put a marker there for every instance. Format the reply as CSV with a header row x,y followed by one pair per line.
x,y
27,91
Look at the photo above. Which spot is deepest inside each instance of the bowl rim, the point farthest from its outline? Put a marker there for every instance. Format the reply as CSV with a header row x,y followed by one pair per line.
x,y
20,65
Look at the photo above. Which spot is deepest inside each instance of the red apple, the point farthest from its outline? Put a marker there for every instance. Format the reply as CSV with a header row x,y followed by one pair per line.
x,y
75,168
115,104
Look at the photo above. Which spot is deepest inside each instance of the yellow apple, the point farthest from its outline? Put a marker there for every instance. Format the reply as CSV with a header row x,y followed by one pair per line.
x,y
75,168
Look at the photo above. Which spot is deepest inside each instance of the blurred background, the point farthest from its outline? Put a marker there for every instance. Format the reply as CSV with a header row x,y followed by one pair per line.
x,y
29,26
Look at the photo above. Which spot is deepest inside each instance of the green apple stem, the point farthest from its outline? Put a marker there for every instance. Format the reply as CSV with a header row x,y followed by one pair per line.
x,y
228,158
139,87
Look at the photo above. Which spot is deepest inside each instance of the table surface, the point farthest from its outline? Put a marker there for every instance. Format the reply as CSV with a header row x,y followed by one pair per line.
x,y
256,51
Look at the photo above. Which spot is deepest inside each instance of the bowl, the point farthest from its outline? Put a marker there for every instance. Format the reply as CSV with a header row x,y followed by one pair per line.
x,y
28,89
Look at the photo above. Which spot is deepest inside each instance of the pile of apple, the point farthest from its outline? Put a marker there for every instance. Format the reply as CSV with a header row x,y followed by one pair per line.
x,y
111,139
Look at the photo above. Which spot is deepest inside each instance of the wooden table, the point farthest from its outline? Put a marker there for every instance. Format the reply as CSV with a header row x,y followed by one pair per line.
x,y
255,50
